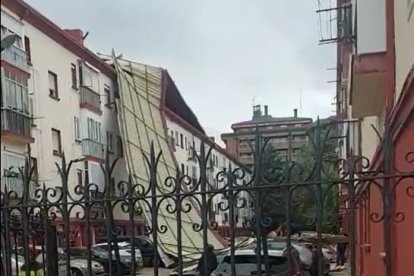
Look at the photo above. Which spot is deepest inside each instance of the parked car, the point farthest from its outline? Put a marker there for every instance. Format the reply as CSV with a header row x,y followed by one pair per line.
x,y
110,266
329,253
245,264
78,267
145,245
125,253
191,269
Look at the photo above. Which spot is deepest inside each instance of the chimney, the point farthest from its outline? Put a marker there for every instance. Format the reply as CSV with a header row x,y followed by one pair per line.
x,y
257,112
266,111
75,34
295,112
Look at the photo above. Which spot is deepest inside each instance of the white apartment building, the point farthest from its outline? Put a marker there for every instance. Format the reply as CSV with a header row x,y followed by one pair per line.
x,y
185,139
59,98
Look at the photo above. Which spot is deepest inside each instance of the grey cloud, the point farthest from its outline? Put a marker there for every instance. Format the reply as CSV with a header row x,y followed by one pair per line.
x,y
221,53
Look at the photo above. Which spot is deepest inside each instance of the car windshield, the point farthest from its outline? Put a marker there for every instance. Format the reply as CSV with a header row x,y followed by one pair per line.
x,y
247,265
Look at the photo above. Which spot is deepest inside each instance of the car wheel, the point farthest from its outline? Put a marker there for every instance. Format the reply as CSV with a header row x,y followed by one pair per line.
x,y
75,272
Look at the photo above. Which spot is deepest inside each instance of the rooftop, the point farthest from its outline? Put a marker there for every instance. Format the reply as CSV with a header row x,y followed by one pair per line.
x,y
265,118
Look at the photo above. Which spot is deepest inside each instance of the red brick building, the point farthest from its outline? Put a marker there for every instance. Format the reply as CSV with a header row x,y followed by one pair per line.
x,y
375,64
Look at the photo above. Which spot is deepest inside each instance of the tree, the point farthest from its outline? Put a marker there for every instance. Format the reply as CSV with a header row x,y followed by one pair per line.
x,y
307,211
270,200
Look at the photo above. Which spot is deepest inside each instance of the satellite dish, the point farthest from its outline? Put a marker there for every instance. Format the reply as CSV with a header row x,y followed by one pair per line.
x,y
8,41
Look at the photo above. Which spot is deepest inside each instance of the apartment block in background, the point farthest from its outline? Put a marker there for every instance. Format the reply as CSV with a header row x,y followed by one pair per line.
x,y
287,135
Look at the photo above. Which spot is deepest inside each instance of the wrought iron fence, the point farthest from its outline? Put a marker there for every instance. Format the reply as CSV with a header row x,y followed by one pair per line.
x,y
321,185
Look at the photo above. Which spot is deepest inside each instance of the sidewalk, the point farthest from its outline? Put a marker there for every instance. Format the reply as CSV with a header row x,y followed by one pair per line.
x,y
345,272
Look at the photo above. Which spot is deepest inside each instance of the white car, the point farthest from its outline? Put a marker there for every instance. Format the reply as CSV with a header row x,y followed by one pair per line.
x,y
125,252
305,254
245,264
78,267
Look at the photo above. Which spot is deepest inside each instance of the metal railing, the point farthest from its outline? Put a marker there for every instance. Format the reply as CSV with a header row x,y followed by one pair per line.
x,y
90,98
92,148
16,57
288,198
15,122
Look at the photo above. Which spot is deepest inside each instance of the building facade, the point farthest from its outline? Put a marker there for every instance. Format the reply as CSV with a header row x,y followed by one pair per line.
x,y
287,135
375,96
185,142
58,98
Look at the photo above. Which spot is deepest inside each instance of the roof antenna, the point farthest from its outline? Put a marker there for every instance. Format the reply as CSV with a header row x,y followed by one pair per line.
x,y
300,102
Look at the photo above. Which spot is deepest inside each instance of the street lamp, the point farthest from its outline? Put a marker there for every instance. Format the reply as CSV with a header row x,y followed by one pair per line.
x,y
8,41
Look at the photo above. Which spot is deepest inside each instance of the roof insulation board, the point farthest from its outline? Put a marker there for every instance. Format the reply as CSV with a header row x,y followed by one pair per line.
x,y
140,120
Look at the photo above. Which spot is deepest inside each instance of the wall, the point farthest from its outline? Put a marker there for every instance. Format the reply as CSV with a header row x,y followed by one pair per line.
x,y
403,238
370,26
404,44
182,155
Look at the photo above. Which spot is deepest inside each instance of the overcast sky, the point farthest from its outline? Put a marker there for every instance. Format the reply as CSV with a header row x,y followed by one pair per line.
x,y
222,54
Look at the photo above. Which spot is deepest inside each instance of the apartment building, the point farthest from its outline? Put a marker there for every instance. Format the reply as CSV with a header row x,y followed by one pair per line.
x,y
375,66
57,99
186,140
287,135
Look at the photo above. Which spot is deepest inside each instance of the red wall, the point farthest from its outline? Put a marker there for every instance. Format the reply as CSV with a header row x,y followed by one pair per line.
x,y
403,232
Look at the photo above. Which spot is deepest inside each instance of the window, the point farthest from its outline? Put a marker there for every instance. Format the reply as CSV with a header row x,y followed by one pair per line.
x,y
107,91
182,169
90,78
177,142
27,48
79,177
53,85
181,140
76,128
109,141
11,164
94,130
186,143
73,71
56,142
120,146
15,94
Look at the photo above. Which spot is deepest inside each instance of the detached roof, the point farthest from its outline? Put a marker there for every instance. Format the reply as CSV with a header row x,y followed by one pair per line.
x,y
176,103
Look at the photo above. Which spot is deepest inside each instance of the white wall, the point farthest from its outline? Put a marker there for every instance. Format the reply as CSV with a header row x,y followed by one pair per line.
x,y
223,162
404,42
47,55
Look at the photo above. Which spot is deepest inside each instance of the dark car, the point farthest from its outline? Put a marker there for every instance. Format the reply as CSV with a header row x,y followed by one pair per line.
x,y
145,245
108,265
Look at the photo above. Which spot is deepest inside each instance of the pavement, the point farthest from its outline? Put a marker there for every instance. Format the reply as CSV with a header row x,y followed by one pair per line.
x,y
345,272
150,272
166,272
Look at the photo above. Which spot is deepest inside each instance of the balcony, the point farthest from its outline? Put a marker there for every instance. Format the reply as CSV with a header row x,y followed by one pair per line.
x,y
368,84
16,57
92,149
16,125
91,100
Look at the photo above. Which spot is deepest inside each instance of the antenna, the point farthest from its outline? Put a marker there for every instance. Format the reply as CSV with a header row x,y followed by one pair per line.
x,y
300,102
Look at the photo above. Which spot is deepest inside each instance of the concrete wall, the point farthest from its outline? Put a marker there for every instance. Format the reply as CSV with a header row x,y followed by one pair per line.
x,y
404,43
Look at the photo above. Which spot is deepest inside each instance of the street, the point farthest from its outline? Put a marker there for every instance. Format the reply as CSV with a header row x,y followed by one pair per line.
x,y
149,271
